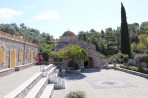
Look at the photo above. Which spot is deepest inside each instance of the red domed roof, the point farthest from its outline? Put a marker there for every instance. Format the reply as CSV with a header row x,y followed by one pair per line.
x,y
68,33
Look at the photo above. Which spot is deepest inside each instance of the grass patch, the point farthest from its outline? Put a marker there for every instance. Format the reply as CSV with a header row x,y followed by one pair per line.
x,y
76,94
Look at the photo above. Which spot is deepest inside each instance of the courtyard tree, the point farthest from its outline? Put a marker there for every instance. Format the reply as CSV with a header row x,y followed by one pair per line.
x,y
144,27
143,42
125,42
73,53
55,56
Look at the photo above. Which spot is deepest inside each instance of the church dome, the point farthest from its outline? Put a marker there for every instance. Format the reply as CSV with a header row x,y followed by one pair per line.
x,y
68,34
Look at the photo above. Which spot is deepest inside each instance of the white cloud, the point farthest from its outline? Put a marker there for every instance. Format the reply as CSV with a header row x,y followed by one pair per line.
x,y
47,15
7,13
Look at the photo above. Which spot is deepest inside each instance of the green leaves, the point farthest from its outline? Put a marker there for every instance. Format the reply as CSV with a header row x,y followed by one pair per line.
x,y
76,94
29,34
143,42
74,52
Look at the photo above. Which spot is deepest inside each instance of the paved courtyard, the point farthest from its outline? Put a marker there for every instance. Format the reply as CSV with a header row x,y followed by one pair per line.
x,y
105,84
10,82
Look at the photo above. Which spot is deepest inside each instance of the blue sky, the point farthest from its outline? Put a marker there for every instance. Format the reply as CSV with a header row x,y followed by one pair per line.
x,y
57,16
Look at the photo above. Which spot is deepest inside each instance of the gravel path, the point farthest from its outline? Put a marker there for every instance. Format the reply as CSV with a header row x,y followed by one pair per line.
x,y
12,81
105,84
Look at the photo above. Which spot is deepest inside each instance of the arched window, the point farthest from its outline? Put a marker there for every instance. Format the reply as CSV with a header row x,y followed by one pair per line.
x,y
20,54
2,53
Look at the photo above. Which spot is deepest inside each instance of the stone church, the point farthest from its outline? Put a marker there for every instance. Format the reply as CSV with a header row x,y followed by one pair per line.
x,y
69,37
15,53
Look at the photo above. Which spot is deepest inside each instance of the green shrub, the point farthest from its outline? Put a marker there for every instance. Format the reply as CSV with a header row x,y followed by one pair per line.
x,y
132,54
112,56
76,94
124,66
144,59
133,68
102,55
140,69
145,70
125,58
56,57
45,56
134,47
120,61
139,56
122,58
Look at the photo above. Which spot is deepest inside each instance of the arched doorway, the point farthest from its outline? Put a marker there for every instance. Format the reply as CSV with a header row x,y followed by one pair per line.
x,y
12,58
89,63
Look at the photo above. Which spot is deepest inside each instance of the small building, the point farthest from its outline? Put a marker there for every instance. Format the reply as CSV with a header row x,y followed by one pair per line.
x,y
69,37
15,51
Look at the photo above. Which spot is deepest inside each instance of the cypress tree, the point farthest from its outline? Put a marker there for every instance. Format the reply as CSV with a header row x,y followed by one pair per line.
x,y
125,42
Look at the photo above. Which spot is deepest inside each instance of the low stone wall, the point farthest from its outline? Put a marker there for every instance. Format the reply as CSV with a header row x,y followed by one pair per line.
x,y
5,72
133,72
21,67
58,64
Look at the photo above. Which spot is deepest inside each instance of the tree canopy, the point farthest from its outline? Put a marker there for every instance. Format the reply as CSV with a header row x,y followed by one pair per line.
x,y
143,42
74,52
29,34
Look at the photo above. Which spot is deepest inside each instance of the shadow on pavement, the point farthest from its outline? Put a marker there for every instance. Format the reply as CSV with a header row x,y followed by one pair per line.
x,y
74,76
90,70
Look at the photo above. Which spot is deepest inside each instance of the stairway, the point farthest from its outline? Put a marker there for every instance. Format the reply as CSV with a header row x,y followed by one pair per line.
x,y
37,86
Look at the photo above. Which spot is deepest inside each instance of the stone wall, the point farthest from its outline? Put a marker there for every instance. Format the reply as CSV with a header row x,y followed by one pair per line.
x,y
12,42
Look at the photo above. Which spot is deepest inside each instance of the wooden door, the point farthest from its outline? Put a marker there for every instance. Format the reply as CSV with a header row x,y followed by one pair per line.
x,y
12,58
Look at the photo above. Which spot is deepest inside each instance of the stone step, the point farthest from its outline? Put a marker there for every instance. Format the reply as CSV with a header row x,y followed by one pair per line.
x,y
59,83
24,88
56,72
48,91
6,71
52,70
46,68
37,90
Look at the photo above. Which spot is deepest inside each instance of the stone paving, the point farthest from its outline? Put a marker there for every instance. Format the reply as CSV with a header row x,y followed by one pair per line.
x,y
10,82
105,84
